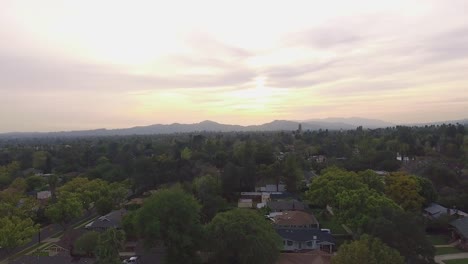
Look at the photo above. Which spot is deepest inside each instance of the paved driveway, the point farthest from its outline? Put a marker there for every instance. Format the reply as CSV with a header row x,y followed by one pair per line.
x,y
440,258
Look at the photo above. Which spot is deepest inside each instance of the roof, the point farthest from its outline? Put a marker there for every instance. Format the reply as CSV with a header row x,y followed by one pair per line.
x,y
286,205
51,260
461,225
303,235
281,196
314,257
297,218
437,210
110,220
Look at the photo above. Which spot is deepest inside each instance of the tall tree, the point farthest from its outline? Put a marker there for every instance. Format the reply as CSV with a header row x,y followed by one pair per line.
x,y
404,190
243,236
66,208
367,250
108,245
173,216
16,231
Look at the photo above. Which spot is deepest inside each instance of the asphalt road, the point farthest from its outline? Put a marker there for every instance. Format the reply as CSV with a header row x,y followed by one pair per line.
x,y
46,232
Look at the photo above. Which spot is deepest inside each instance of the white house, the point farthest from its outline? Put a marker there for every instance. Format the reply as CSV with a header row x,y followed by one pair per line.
x,y
306,239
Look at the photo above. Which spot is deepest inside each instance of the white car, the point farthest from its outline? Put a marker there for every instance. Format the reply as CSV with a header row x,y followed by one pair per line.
x,y
132,260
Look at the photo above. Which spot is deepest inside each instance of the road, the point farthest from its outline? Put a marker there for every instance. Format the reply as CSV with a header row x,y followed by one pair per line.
x,y
46,232
439,259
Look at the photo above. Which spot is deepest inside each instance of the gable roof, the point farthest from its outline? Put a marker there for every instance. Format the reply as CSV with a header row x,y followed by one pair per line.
x,y
461,225
110,220
437,210
314,257
297,218
286,205
27,259
303,235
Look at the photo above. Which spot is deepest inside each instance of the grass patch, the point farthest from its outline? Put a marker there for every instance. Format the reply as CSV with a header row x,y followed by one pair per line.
x,y
438,239
447,250
456,261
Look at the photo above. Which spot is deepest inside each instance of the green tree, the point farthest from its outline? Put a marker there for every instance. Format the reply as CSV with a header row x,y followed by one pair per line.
x,y
65,209
243,236
357,207
404,190
86,244
325,188
292,174
208,191
367,250
108,245
173,216
35,182
16,231
372,180
104,205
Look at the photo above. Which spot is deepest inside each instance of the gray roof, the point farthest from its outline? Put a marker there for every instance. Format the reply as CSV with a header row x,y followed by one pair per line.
x,y
462,226
437,210
110,220
286,205
51,260
303,235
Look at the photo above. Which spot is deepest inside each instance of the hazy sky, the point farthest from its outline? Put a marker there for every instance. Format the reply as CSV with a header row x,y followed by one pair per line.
x,y
107,63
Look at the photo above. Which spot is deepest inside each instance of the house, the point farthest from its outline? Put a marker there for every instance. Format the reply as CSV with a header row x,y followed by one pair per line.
x,y
110,220
434,211
44,195
281,206
313,257
460,231
245,203
295,220
306,239
271,188
257,197
29,259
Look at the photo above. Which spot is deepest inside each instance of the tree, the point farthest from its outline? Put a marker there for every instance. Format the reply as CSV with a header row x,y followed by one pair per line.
x,y
243,236
367,250
86,244
372,180
173,216
404,232
108,245
104,205
357,207
16,231
427,191
404,190
208,191
67,207
324,189
35,182
292,174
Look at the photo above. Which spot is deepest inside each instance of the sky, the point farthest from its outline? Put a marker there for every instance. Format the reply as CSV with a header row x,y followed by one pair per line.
x,y
70,65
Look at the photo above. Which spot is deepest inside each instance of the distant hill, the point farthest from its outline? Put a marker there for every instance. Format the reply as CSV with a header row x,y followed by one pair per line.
x,y
210,126
354,122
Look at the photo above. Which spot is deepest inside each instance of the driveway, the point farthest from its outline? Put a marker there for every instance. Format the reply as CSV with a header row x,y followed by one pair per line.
x,y
440,258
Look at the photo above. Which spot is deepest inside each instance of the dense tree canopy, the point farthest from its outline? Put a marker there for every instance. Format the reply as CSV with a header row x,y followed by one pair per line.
x,y
243,236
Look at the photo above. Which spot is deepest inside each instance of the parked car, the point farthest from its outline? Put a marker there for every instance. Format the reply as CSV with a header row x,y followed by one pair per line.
x,y
132,260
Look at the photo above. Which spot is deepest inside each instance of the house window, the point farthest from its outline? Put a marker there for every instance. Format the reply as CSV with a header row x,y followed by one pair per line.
x,y
309,243
290,243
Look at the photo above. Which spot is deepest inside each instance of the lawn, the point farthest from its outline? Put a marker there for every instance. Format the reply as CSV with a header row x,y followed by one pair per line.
x,y
438,239
456,261
447,250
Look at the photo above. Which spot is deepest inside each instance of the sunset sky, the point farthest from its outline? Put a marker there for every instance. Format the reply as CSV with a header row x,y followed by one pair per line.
x,y
67,65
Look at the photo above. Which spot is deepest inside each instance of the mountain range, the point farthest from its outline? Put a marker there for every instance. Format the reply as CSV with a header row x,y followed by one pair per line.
x,y
210,126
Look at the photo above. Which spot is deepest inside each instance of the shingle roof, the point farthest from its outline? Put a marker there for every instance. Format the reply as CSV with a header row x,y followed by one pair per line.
x,y
305,235
51,260
110,220
461,225
297,218
437,210
286,205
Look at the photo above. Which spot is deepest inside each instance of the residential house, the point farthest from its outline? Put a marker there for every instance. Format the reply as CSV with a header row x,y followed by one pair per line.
x,y
434,211
110,220
271,188
306,239
281,206
295,220
313,257
460,231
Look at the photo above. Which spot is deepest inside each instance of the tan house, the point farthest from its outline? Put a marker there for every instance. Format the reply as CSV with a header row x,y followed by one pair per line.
x,y
295,219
